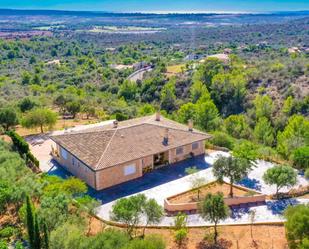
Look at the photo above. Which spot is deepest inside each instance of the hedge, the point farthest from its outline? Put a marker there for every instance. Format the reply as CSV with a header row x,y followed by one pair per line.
x,y
22,147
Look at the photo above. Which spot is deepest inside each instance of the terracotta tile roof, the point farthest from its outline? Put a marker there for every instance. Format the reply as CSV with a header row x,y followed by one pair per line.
x,y
107,146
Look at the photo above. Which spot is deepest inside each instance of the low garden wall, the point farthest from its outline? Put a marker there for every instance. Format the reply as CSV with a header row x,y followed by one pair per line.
x,y
192,207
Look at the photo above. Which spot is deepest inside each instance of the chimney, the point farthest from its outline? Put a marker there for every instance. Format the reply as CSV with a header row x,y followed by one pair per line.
x,y
190,124
158,116
165,138
115,123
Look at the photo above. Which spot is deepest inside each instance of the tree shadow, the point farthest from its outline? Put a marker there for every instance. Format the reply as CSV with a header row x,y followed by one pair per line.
x,y
251,183
238,212
278,206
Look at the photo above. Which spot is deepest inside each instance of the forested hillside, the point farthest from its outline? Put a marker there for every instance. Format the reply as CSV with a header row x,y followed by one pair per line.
x,y
255,99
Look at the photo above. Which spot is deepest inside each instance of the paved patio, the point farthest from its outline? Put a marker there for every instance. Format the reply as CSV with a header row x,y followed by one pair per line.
x,y
151,181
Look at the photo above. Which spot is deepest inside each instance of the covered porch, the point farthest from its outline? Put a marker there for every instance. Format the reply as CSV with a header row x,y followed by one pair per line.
x,y
161,159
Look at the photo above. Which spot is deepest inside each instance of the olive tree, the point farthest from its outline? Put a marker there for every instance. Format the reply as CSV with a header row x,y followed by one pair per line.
x,y
235,169
213,209
39,117
130,211
8,118
281,176
153,212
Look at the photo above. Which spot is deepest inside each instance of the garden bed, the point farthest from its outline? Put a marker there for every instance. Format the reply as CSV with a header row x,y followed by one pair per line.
x,y
188,201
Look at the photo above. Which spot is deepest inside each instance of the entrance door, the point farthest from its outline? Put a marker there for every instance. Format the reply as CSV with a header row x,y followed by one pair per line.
x,y
160,160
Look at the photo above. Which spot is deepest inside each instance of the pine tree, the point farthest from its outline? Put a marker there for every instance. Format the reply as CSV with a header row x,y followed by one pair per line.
x,y
45,236
30,223
37,237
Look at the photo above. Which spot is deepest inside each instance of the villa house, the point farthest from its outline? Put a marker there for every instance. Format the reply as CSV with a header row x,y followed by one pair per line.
x,y
122,151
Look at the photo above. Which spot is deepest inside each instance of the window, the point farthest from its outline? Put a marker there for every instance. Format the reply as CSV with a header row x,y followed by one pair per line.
x,y
64,154
129,169
179,150
195,146
73,161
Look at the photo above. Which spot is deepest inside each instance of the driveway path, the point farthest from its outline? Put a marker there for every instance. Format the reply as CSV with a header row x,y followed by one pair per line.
x,y
165,182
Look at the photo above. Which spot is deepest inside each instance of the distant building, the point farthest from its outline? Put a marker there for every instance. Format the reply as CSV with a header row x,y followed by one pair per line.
x,y
120,66
53,62
293,50
228,51
222,57
140,65
193,57
116,153
110,49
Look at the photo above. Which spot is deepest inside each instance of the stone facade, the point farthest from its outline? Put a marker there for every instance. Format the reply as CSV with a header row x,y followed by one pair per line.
x,y
75,166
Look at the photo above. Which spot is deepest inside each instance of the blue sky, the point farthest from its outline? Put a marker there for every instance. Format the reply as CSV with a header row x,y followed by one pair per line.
x,y
160,5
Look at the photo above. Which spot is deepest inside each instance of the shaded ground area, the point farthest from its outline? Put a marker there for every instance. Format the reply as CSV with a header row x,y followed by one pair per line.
x,y
150,180
278,206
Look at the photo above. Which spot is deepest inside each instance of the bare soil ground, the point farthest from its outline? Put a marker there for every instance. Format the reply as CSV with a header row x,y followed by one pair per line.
x,y
265,236
60,125
212,188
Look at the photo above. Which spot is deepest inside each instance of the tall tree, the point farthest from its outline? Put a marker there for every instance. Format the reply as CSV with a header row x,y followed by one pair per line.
x,y
228,91
207,115
263,106
185,112
294,135
208,70
197,90
168,96
37,234
237,126
214,209
264,132
30,223
45,236
235,169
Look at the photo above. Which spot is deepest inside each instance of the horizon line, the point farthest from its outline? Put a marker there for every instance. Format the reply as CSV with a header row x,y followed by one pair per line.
x,y
163,12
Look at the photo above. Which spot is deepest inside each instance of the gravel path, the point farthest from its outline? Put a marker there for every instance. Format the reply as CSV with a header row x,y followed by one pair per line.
x,y
270,212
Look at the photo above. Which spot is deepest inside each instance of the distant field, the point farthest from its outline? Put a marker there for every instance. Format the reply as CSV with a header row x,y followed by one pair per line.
x,y
123,29
175,69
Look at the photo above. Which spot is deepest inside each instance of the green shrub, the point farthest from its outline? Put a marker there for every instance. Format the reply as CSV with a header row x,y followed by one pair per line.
x,y
22,146
3,245
300,157
151,242
7,232
180,221
180,236
222,139
266,153
120,116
